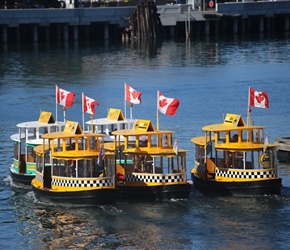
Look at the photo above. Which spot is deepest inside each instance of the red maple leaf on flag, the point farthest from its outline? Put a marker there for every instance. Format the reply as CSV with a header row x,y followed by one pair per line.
x,y
62,95
163,103
260,98
135,94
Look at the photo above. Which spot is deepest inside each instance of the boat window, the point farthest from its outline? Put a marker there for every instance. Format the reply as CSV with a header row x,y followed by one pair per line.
x,y
247,135
168,165
82,144
47,156
233,135
43,130
199,153
166,140
258,133
55,128
153,140
30,156
157,165
94,143
109,170
17,146
179,164
120,156
221,137
69,146
58,167
148,164
84,168
39,163
143,141
31,133
219,159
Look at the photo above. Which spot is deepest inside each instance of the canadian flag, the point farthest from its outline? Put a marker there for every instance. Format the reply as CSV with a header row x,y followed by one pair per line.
x,y
167,106
64,97
258,99
131,95
89,105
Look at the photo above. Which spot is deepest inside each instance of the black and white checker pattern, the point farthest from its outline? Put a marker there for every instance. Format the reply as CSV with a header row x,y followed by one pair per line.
x,y
82,183
153,178
247,174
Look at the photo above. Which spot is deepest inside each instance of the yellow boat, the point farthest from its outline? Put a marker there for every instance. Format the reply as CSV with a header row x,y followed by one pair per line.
x,y
22,170
72,167
233,158
149,167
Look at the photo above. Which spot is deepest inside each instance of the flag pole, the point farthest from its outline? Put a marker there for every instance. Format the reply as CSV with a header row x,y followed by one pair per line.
x,y
157,113
248,108
92,125
56,102
125,100
64,109
131,111
83,113
249,122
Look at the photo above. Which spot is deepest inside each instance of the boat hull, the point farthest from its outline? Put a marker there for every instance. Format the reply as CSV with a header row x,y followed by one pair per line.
x,y
155,193
21,178
96,197
261,187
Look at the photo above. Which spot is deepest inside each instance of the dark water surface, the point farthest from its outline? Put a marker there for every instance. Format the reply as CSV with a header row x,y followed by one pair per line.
x,y
210,78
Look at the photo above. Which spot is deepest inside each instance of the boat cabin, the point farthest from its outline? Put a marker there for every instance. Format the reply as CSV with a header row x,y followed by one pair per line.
x,y
233,145
28,136
72,154
115,120
145,150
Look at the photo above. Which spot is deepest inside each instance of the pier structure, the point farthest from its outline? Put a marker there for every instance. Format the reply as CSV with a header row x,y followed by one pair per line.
x,y
196,17
225,18
36,25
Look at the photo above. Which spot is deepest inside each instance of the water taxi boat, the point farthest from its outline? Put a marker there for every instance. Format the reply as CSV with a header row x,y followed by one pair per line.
x,y
22,170
149,167
115,120
72,167
235,159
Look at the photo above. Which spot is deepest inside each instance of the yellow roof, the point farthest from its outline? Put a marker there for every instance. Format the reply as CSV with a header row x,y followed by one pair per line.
x,y
133,132
61,135
154,151
242,146
200,140
231,122
225,127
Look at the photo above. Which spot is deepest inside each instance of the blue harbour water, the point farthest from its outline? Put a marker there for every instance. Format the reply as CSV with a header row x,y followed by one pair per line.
x,y
210,77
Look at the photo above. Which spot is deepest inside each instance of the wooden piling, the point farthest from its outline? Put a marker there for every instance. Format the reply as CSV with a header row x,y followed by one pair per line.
x,y
145,22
